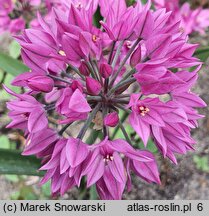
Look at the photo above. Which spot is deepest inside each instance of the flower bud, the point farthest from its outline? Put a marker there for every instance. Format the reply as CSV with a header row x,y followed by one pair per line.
x,y
93,86
41,83
84,70
136,57
105,70
76,85
111,119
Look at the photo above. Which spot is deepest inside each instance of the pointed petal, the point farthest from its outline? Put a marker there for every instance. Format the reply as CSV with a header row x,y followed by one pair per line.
x,y
78,102
37,120
96,171
117,168
76,151
141,127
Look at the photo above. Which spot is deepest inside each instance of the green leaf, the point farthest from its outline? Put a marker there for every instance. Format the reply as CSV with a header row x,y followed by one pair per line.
x,y
97,17
144,1
93,137
150,146
201,163
27,193
12,162
12,178
130,2
3,94
4,142
46,189
93,193
15,195
14,49
11,65
202,53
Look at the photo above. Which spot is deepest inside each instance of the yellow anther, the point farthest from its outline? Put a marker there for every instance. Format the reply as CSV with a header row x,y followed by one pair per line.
x,y
94,38
62,53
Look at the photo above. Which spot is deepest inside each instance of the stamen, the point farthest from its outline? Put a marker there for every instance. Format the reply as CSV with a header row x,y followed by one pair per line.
x,y
143,110
62,53
94,38
79,6
128,44
108,158
25,116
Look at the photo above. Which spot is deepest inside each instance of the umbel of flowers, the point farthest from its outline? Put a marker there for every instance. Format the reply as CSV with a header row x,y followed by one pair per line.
x,y
135,62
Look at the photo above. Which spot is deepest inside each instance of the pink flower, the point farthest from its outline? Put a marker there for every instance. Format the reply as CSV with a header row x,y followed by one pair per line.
x,y
111,119
191,20
27,113
106,167
93,86
91,77
41,143
65,165
146,113
105,70
35,81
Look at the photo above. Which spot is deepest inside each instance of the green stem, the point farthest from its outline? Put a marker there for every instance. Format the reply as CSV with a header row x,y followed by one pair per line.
x,y
117,54
88,121
123,118
111,52
124,61
105,129
94,69
68,75
120,85
76,71
106,83
129,74
122,96
64,129
97,98
124,132
97,71
91,69
121,101
123,108
58,79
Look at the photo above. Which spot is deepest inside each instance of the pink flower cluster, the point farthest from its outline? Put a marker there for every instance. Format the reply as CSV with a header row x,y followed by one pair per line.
x,y
16,14
196,20
135,60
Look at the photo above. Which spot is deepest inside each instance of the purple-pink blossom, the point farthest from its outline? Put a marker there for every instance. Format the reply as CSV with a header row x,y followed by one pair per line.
x,y
14,15
192,20
135,64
